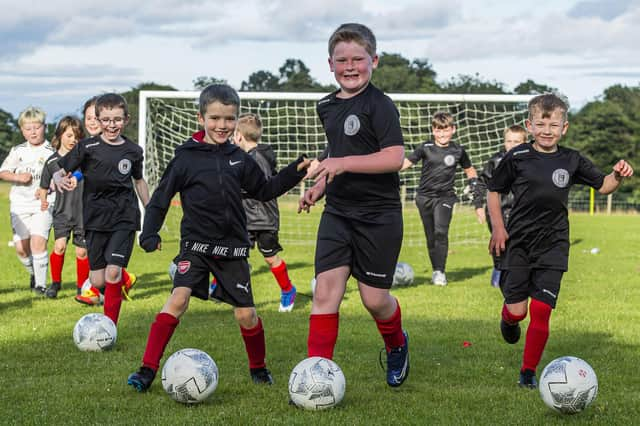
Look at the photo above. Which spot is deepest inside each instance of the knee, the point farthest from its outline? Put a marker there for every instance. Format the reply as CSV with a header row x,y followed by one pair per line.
x,y
60,247
112,274
246,317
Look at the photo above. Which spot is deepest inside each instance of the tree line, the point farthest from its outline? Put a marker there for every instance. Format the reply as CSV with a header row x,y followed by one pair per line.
x,y
605,129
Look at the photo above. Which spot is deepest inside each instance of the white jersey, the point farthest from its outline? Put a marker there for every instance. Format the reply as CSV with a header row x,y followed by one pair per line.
x,y
26,158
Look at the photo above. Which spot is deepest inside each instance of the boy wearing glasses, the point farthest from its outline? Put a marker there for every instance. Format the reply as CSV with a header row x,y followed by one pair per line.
x,y
112,169
23,168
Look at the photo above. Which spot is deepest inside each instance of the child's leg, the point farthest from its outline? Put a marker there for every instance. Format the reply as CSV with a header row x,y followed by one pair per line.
x,y
23,251
56,259
324,319
442,214
385,310
537,334
279,270
82,267
112,292
425,207
253,335
40,260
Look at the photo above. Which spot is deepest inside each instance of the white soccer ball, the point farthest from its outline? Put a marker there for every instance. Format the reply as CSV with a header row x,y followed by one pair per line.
x,y
95,332
316,383
313,285
568,385
173,268
403,275
190,376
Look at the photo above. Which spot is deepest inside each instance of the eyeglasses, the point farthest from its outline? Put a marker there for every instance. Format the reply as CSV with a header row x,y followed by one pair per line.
x,y
34,128
105,121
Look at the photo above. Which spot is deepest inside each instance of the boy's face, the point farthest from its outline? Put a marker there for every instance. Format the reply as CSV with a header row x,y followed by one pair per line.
x,y
112,121
219,122
91,122
547,131
33,132
68,139
352,66
442,135
512,139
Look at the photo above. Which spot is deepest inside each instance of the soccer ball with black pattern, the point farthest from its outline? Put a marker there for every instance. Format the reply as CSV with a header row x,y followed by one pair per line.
x,y
190,376
94,332
568,385
403,275
316,383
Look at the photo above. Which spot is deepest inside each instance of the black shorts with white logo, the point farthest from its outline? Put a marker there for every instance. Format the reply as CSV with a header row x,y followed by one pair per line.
x,y
370,249
109,248
268,242
540,284
232,276
62,229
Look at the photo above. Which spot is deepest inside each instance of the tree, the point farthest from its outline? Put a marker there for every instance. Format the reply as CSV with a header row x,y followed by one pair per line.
x,y
202,81
295,77
261,81
132,97
9,133
530,87
465,83
396,74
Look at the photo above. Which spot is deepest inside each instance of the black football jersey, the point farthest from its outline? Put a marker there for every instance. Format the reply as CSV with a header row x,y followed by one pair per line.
x,y
439,164
68,205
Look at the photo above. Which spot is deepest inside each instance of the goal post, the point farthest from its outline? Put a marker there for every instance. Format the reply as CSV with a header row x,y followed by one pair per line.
x,y
292,128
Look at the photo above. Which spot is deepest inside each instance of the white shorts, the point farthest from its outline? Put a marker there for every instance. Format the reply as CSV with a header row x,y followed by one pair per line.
x,y
25,225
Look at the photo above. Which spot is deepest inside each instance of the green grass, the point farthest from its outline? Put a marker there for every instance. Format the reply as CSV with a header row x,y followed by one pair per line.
x,y
46,380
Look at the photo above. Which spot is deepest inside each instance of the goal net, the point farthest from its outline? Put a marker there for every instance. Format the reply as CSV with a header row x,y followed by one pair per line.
x,y
292,128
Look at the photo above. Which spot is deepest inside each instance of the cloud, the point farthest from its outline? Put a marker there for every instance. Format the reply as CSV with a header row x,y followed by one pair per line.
x,y
605,10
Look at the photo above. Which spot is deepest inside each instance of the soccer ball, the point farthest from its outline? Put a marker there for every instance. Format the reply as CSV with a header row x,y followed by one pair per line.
x,y
313,285
403,275
568,385
190,376
316,383
173,268
95,332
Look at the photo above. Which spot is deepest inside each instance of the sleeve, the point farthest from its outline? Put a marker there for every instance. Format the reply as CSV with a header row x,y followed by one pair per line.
x,y
417,155
324,154
45,178
73,159
158,206
483,180
386,123
503,176
262,189
587,173
11,163
465,161
138,164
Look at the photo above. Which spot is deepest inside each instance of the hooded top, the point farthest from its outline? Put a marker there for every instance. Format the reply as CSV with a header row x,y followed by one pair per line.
x,y
263,216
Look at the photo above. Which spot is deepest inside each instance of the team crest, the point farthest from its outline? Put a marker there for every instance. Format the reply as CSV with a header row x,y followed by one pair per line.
x,y
184,266
560,178
449,160
351,125
124,166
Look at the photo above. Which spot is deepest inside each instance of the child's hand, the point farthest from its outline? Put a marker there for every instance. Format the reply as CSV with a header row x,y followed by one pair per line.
x,y
62,181
150,243
310,196
623,169
498,241
73,183
480,214
304,164
44,205
329,168
23,178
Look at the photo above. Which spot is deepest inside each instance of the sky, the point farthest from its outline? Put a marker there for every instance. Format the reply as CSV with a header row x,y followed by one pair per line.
x,y
57,53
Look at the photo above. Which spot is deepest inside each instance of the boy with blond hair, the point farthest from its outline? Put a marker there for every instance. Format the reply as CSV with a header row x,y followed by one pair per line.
x,y
31,225
534,245
263,218
360,231
436,196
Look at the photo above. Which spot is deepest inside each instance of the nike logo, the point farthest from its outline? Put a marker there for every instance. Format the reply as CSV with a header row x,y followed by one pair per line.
x,y
233,163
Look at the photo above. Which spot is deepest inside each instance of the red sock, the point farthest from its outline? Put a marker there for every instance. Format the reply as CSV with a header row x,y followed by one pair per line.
x,y
282,276
510,318
125,276
56,261
82,270
391,329
161,331
323,334
113,300
254,344
537,334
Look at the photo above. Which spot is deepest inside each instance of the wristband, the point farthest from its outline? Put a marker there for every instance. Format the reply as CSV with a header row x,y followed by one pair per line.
x,y
78,175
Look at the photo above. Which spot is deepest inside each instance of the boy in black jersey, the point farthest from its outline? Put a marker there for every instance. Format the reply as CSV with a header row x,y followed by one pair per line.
x,y
112,168
263,218
535,245
436,195
211,173
513,136
360,232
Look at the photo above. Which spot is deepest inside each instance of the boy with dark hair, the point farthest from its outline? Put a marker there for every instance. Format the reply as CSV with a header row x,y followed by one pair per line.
x,y
112,168
210,174
436,196
360,231
535,247
513,136
263,218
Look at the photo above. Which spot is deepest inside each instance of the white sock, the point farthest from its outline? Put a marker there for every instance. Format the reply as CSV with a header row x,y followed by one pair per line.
x,y
28,264
40,267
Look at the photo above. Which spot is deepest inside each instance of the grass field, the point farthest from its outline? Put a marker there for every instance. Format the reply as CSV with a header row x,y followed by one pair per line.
x,y
46,380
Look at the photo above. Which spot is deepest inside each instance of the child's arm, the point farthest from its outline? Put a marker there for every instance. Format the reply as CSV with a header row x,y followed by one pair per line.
x,y
499,235
41,193
472,178
260,188
142,189
612,181
406,164
387,160
312,195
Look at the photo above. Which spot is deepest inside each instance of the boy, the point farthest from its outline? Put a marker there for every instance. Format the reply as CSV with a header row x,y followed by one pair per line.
x,y
263,218
513,136
31,225
67,210
436,195
210,174
112,169
360,231
535,247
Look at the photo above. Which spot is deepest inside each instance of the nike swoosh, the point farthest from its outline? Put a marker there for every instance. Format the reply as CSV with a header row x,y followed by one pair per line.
x,y
233,163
